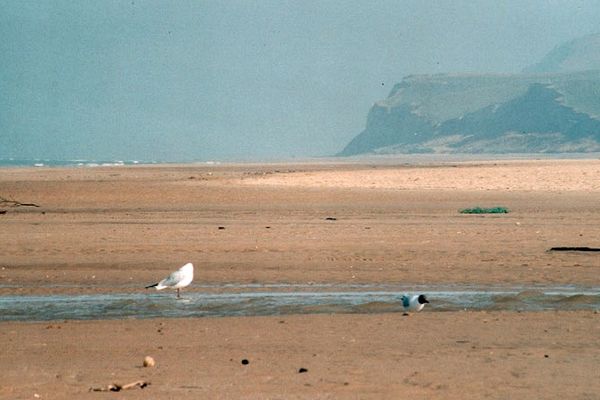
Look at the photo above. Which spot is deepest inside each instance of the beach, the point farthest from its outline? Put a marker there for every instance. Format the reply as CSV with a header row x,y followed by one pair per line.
x,y
117,229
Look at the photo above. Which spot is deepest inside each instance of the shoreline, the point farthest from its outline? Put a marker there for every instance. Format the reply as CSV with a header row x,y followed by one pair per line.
x,y
424,158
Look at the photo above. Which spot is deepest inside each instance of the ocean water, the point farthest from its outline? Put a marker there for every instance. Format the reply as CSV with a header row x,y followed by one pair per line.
x,y
390,159
257,300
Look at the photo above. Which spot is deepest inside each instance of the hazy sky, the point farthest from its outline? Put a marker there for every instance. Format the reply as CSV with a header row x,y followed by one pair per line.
x,y
201,80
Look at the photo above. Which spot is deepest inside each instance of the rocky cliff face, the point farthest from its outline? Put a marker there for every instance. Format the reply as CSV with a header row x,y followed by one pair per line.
x,y
524,113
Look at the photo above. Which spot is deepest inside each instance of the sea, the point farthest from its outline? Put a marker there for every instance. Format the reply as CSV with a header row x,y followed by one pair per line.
x,y
382,159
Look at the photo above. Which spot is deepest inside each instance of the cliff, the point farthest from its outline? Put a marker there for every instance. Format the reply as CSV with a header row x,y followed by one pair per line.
x,y
520,113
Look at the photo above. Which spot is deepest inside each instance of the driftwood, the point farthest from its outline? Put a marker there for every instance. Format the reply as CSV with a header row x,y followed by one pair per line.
x,y
115,387
566,248
13,203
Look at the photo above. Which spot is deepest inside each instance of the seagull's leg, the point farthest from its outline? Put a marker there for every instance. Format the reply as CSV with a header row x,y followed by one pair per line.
x,y
178,296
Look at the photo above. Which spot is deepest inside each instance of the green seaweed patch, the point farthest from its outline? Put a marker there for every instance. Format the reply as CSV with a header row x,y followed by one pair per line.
x,y
481,210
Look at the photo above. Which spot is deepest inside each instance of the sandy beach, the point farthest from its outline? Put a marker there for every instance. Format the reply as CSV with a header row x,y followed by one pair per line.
x,y
117,229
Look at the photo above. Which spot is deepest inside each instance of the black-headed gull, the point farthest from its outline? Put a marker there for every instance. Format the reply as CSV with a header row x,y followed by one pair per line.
x,y
414,303
177,280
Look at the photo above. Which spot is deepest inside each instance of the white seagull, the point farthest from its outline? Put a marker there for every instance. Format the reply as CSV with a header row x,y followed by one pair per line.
x,y
414,303
177,280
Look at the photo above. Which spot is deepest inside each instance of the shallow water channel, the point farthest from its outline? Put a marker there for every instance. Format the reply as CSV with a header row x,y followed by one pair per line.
x,y
252,300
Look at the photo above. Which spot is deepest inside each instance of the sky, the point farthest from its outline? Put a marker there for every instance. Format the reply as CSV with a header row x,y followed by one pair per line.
x,y
242,80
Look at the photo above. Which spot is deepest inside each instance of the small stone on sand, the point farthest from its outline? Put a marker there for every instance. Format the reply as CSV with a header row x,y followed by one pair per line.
x,y
149,361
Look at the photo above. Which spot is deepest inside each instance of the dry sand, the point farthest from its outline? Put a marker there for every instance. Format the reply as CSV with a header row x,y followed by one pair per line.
x,y
116,229
471,355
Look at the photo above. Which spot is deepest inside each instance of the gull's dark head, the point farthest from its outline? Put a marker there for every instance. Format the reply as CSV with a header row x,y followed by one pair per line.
x,y
422,299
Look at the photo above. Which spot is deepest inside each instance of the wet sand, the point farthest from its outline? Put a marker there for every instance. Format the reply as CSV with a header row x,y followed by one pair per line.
x,y
117,229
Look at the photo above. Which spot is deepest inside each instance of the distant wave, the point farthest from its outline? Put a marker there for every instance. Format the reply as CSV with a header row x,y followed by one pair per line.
x,y
13,162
